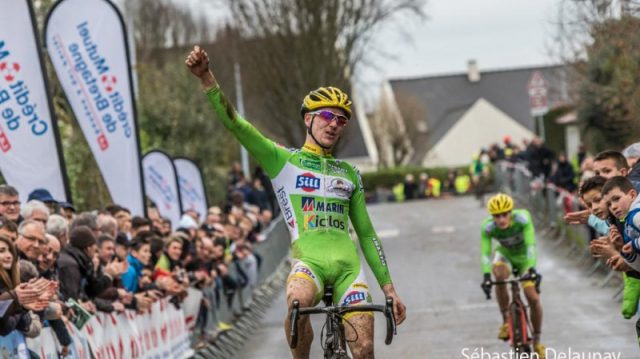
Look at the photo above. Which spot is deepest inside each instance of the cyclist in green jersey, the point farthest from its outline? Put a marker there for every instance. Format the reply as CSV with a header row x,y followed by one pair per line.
x,y
516,250
318,195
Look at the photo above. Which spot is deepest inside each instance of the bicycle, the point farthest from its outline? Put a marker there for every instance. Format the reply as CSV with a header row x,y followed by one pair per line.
x,y
517,316
334,342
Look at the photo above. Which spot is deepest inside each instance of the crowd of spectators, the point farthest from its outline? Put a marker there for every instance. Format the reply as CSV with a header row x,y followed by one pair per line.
x,y
58,265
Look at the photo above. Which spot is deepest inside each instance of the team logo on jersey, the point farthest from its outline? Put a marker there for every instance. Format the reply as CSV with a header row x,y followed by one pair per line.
x,y
308,204
312,220
287,212
336,169
308,182
311,164
340,187
309,221
354,297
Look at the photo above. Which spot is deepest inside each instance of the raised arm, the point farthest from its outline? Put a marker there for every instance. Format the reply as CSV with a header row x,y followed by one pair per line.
x,y
270,156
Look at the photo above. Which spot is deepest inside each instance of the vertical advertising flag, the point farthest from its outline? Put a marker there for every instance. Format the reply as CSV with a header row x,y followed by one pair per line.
x,y
192,192
30,155
87,44
161,185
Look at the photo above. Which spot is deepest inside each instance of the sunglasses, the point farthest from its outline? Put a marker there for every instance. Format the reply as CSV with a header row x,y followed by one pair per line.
x,y
501,214
329,116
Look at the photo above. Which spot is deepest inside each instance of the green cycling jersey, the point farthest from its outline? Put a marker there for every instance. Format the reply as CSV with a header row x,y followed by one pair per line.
x,y
318,195
517,243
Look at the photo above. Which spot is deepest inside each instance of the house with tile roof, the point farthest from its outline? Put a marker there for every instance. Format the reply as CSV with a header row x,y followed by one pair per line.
x,y
464,112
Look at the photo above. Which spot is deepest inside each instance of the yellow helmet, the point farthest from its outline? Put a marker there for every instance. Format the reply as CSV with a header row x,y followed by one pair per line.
x,y
326,97
500,203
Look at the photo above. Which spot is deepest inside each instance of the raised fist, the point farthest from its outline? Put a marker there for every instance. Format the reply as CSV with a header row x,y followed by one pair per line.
x,y
198,62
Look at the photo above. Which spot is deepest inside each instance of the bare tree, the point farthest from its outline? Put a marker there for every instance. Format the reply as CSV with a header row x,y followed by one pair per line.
x,y
398,117
599,39
290,47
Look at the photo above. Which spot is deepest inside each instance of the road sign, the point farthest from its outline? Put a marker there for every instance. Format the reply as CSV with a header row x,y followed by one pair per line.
x,y
537,89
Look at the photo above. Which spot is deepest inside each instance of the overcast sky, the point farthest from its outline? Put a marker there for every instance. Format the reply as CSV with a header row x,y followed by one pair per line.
x,y
496,33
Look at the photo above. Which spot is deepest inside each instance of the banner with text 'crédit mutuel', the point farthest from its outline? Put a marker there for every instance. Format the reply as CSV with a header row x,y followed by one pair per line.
x,y
161,185
30,155
87,43
192,191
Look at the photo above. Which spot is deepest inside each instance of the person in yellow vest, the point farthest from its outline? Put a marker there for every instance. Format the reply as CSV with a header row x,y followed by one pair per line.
x,y
398,192
433,187
462,183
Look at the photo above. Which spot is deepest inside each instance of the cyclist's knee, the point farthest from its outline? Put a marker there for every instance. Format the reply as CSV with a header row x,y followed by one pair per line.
x,y
501,271
301,290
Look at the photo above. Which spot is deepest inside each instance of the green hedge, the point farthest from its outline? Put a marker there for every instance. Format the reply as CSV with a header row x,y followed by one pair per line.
x,y
392,176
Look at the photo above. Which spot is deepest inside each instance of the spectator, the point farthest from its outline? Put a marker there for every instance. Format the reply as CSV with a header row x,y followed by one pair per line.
x,y
154,217
123,217
67,211
8,228
138,258
540,158
78,278
106,249
107,225
165,231
122,245
170,258
258,195
15,318
36,211
58,226
45,197
632,154
139,224
48,258
86,219
410,187
31,240
563,175
10,203
235,174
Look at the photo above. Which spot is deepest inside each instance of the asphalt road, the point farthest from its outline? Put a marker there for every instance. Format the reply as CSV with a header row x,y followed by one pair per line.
x,y
433,250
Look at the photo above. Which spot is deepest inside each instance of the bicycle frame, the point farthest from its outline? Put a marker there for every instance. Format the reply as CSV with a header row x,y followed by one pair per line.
x,y
517,317
335,340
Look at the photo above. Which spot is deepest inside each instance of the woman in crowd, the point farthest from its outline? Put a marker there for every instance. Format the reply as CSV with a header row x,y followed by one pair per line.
x,y
15,317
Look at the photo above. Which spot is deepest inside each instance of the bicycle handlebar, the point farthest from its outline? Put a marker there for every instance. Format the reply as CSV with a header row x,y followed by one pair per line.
x,y
386,309
537,278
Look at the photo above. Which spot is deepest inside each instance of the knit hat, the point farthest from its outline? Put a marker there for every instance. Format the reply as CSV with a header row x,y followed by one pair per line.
x,y
82,237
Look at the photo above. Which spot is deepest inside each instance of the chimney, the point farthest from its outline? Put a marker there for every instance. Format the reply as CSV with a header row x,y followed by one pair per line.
x,y
472,71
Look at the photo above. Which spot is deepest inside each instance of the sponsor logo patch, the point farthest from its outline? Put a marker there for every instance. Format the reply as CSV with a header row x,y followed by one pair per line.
x,y
340,187
336,169
354,297
308,182
286,208
309,204
311,164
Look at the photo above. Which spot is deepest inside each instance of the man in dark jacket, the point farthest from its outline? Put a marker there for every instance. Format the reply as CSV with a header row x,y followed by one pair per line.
x,y
78,279
540,157
564,176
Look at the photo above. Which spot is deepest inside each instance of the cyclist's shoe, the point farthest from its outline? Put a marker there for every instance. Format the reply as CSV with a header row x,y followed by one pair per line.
x,y
540,350
503,333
